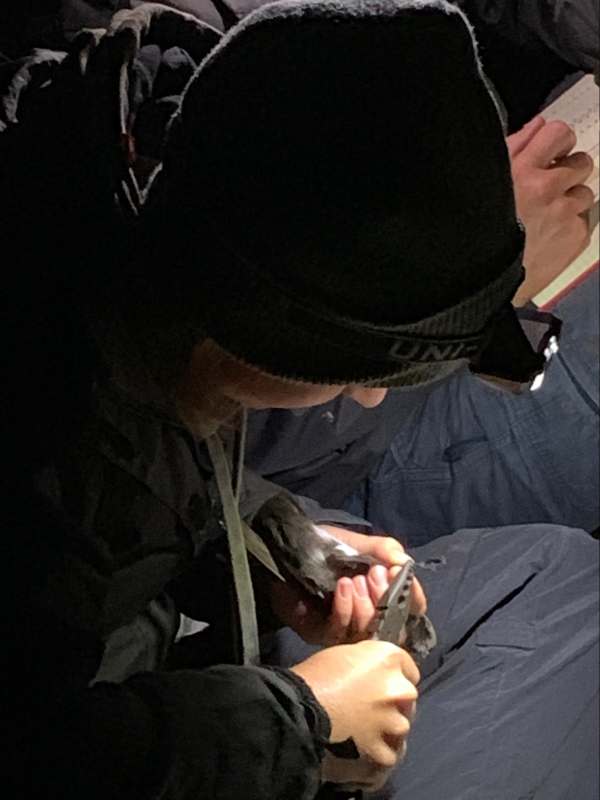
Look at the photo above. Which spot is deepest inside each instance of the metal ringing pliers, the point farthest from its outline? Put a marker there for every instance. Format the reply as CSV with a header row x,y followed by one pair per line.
x,y
394,622
394,606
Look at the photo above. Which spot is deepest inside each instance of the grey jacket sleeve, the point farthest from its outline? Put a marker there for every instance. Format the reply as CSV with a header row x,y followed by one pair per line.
x,y
570,28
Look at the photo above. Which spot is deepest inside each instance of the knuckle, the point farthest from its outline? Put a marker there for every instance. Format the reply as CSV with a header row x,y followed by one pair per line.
x,y
409,669
389,653
376,652
586,238
401,727
399,690
395,665
410,691
561,130
540,186
383,757
523,176
585,195
562,210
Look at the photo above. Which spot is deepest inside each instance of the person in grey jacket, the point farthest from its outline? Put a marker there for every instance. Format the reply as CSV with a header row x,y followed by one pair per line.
x,y
530,48
567,27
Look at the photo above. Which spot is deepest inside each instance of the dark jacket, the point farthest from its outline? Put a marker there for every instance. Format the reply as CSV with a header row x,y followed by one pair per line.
x,y
110,507
105,536
570,28
528,48
327,452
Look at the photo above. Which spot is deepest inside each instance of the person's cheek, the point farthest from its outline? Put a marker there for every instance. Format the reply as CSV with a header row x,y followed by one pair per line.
x,y
368,398
266,392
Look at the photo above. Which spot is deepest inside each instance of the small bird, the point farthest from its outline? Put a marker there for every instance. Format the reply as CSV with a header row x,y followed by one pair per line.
x,y
307,552
317,560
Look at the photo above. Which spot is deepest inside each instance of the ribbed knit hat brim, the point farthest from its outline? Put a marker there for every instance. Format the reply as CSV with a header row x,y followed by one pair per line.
x,y
346,159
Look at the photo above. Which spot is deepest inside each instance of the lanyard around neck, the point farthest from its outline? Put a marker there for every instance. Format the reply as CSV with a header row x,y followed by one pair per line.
x,y
242,579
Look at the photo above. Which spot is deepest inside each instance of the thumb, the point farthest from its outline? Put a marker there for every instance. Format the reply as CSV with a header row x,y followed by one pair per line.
x,y
518,141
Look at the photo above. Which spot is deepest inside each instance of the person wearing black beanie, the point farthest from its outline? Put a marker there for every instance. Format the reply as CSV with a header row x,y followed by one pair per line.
x,y
347,230
277,255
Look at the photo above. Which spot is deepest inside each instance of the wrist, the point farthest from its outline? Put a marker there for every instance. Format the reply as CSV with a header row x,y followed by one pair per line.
x,y
316,716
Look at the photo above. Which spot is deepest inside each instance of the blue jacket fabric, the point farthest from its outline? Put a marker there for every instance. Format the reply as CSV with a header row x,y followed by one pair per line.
x,y
101,537
570,28
457,454
508,705
470,455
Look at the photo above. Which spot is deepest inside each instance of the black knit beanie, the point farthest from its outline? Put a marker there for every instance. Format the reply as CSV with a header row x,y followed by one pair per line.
x,y
340,191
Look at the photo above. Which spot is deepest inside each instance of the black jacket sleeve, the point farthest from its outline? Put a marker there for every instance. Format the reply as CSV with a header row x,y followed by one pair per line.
x,y
224,732
76,571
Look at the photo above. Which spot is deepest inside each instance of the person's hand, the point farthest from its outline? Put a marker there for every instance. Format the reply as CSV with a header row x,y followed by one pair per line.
x,y
354,600
369,692
552,201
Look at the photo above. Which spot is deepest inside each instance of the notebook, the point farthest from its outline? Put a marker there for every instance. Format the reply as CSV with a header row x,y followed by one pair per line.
x,y
579,106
